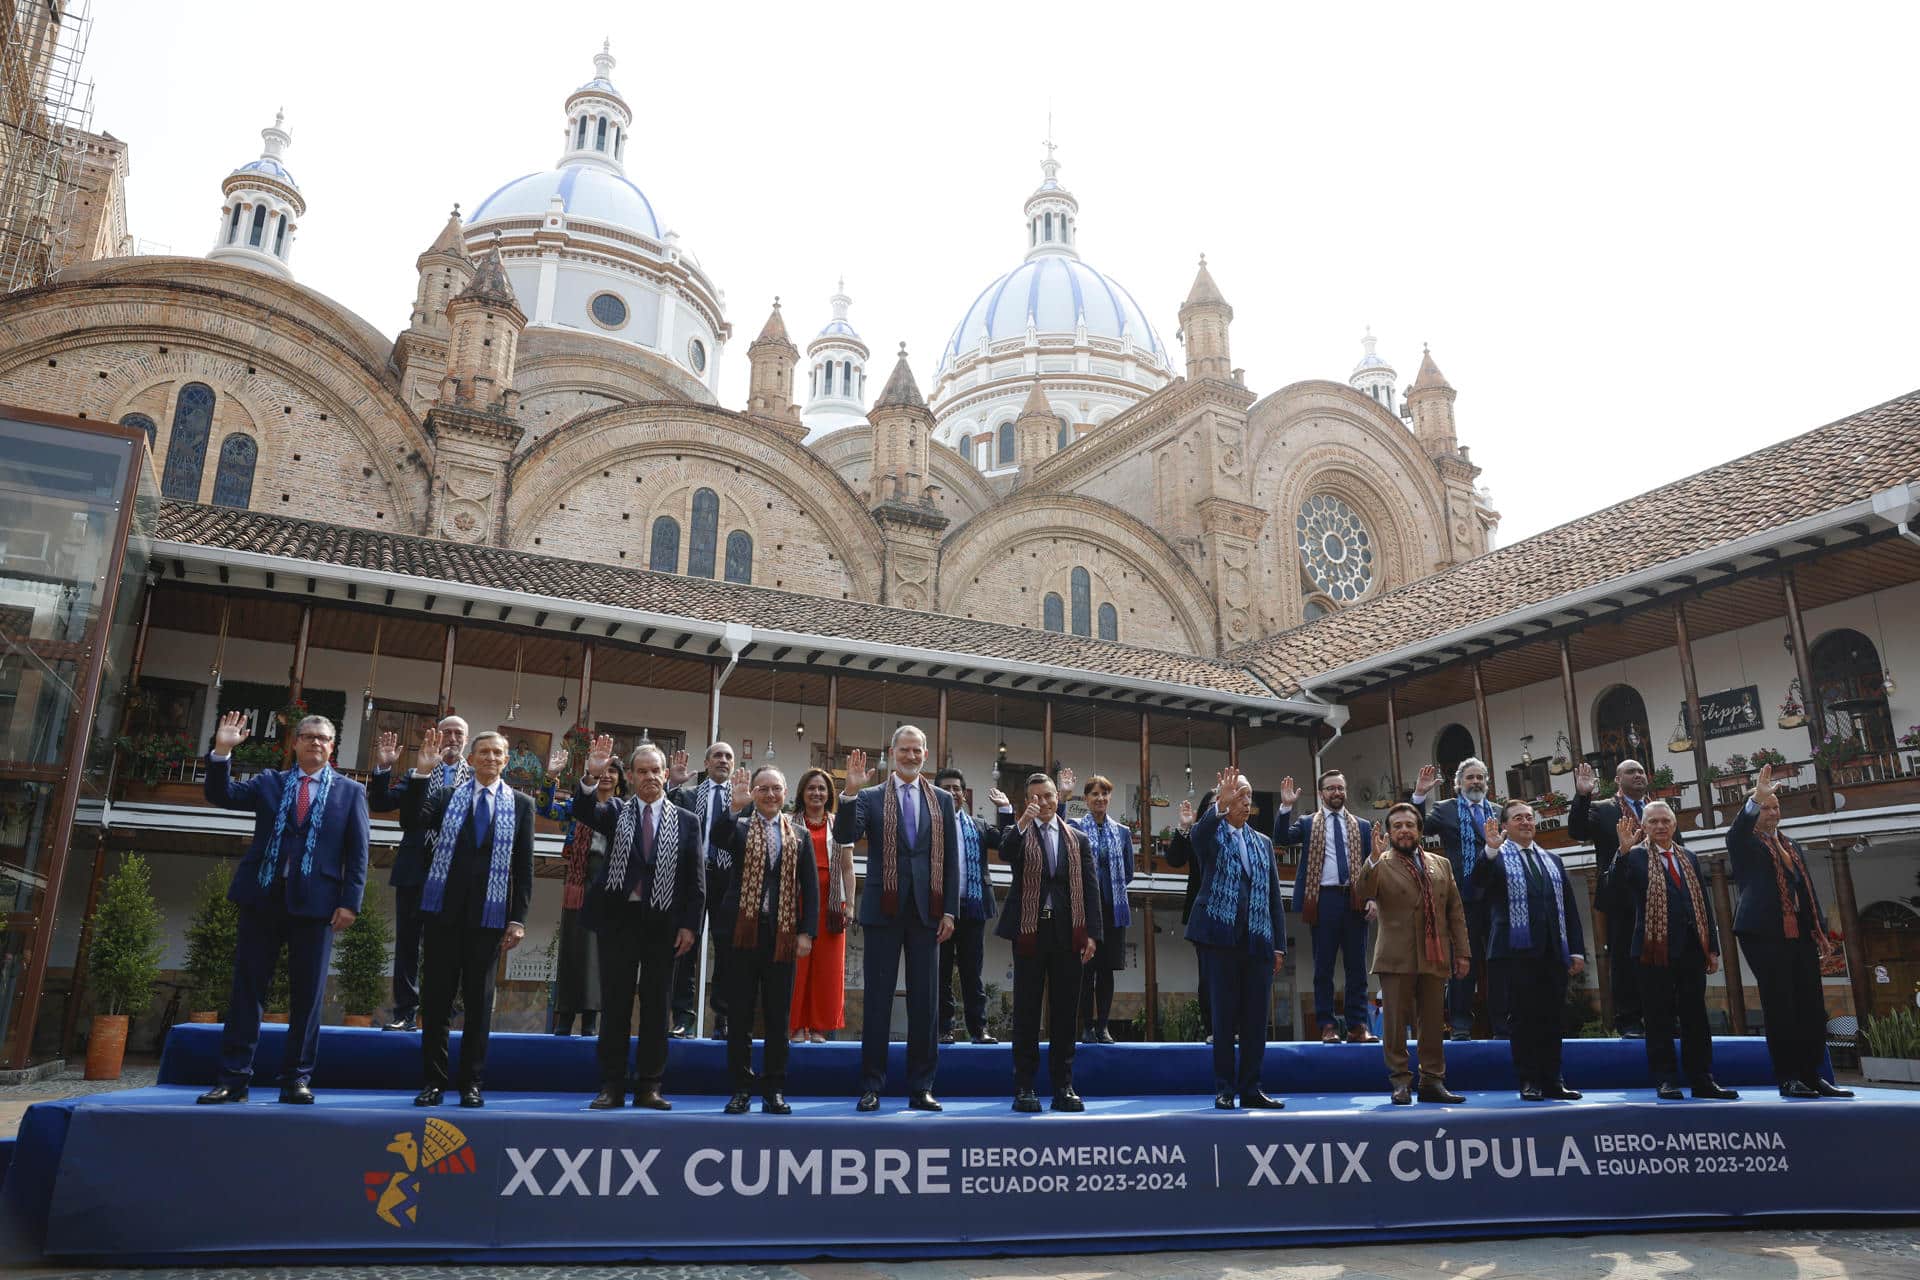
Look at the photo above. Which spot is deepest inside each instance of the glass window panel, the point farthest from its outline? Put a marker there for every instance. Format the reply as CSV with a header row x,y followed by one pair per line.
x,y
704,536
664,555
1109,622
1053,612
739,556
1080,585
259,226
187,443
233,482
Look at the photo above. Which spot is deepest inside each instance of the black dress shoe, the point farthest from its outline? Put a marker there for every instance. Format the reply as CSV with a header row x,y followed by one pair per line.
x,y
1711,1088
1104,1037
1558,1089
651,1100
682,1031
298,1092
946,1037
1461,1035
1798,1089
408,1023
1403,1096
1259,1100
1437,1091
922,1100
222,1093
470,1097
1531,1093
427,1097
737,1104
1827,1090
1067,1100
986,1037
869,1101
608,1100
1223,1101
1026,1102
1633,1031
775,1104
1669,1092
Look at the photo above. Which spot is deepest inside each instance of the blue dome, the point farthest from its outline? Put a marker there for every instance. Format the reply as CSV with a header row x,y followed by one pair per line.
x,y
272,168
599,84
838,329
585,191
1056,290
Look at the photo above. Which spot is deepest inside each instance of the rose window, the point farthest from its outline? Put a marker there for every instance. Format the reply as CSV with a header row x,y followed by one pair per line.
x,y
1335,548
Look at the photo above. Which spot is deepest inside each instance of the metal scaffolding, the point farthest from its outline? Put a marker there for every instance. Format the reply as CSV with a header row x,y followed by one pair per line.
x,y
43,101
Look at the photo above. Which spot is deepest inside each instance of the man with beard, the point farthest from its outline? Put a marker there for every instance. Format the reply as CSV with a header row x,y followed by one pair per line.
x,y
1422,936
708,802
1335,843
966,949
1778,922
1599,824
384,794
1461,824
906,909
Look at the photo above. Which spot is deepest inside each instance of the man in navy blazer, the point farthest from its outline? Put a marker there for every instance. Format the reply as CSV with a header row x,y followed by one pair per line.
x,y
386,793
1338,924
1461,825
907,906
299,884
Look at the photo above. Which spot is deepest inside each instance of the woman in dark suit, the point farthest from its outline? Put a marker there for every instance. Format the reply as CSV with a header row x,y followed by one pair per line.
x,y
473,905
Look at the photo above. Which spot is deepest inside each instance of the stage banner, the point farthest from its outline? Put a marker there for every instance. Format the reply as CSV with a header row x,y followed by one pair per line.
x,y
157,1178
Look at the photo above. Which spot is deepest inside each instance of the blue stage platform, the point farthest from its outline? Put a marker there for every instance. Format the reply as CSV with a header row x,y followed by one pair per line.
x,y
144,1176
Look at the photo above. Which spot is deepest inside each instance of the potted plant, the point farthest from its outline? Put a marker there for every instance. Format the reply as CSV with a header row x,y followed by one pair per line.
x,y
1792,714
1663,785
1763,756
254,756
1894,1047
360,960
150,756
210,944
1835,750
1552,803
1911,738
123,964
279,991
1735,767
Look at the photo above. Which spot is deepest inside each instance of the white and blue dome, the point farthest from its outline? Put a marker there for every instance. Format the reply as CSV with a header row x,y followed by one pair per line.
x,y
1057,291
586,192
271,168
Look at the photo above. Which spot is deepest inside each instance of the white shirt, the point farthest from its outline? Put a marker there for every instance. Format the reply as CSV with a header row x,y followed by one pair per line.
x,y
639,826
1336,831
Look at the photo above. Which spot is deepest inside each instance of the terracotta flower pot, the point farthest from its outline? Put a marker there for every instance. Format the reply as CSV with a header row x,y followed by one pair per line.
x,y
356,1020
106,1046
274,1017
204,1015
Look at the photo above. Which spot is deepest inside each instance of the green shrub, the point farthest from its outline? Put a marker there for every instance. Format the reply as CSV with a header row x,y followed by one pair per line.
x,y
360,956
124,962
210,942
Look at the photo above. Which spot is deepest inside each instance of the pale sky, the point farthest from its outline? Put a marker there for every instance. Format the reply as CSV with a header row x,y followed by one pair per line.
x,y
1641,239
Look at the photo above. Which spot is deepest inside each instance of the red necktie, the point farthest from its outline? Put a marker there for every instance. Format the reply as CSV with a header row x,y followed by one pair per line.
x,y
1673,870
300,802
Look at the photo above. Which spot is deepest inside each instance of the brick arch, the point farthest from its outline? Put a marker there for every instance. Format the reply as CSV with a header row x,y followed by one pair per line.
x,y
119,326
621,436
1136,549
849,452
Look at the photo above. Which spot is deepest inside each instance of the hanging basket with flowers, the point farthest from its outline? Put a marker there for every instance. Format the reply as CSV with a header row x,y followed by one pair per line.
x,y
1792,714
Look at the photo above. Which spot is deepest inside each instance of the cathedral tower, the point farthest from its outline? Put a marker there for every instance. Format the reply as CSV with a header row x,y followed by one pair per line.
x,y
474,423
771,360
445,271
909,520
1204,318
262,209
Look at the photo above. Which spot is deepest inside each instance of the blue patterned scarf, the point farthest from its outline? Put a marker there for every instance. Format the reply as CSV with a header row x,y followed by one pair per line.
x,y
1519,914
316,807
1472,828
971,889
1239,859
1112,872
433,894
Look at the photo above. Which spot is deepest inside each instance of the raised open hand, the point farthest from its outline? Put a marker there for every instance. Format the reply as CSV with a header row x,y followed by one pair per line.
x,y
677,770
1493,837
1289,792
1583,779
1224,786
386,749
1428,780
857,773
999,798
1186,815
742,793
429,758
1627,831
557,760
231,732
1763,784
599,752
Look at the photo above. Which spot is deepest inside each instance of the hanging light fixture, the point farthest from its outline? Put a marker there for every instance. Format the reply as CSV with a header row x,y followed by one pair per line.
x,y
1526,750
1000,758
220,648
773,688
560,703
373,668
1888,685
519,656
1190,790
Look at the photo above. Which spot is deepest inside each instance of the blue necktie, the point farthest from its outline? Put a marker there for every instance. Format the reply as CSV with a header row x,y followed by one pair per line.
x,y
446,775
482,818
1053,851
911,828
1339,832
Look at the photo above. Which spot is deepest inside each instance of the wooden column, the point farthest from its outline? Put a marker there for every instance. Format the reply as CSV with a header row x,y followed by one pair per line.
x,y
1148,950
446,671
1816,714
940,733
833,720
1729,953
1486,727
1393,745
585,700
1853,943
1046,738
139,660
1703,775
1233,743
297,677
1572,700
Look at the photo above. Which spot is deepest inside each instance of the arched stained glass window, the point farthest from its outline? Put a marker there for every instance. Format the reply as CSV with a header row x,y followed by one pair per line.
x,y
259,226
663,556
1053,612
143,422
1006,444
1109,622
187,443
233,225
1080,586
739,556
704,537
233,482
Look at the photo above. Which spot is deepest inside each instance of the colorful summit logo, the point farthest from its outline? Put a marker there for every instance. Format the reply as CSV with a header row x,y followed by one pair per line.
x,y
395,1193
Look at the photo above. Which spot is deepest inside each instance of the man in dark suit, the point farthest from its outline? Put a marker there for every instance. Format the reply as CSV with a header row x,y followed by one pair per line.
x,y
1599,825
1333,846
1676,944
774,876
299,884
906,908
707,801
966,949
646,908
1461,824
386,793
473,903
1053,919
1536,941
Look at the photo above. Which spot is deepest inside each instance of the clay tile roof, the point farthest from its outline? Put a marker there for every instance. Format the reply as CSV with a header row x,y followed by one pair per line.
x,y
702,598
1429,376
901,389
1036,405
1829,467
490,283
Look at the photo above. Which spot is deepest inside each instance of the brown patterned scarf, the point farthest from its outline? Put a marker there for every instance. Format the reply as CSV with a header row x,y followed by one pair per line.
x,y
1786,857
1653,947
890,841
579,846
1317,861
1415,865
753,872
1032,868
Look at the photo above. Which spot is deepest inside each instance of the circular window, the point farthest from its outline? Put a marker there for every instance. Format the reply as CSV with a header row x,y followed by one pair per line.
x,y
697,355
608,310
1335,548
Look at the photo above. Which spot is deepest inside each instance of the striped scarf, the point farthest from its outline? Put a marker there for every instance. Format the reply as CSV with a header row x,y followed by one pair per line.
x,y
1786,857
666,852
1031,869
316,806
1414,863
753,872
433,894
441,781
1114,874
1317,860
722,856
1239,846
1653,945
1519,917
972,888
890,843
1473,823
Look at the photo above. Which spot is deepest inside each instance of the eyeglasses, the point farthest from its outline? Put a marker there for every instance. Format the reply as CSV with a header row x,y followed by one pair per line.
x,y
316,737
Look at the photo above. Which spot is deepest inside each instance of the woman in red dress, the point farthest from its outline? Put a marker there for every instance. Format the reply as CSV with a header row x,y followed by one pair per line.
x,y
820,977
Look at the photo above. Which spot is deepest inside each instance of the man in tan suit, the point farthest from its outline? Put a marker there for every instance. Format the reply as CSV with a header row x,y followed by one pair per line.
x,y
1421,939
